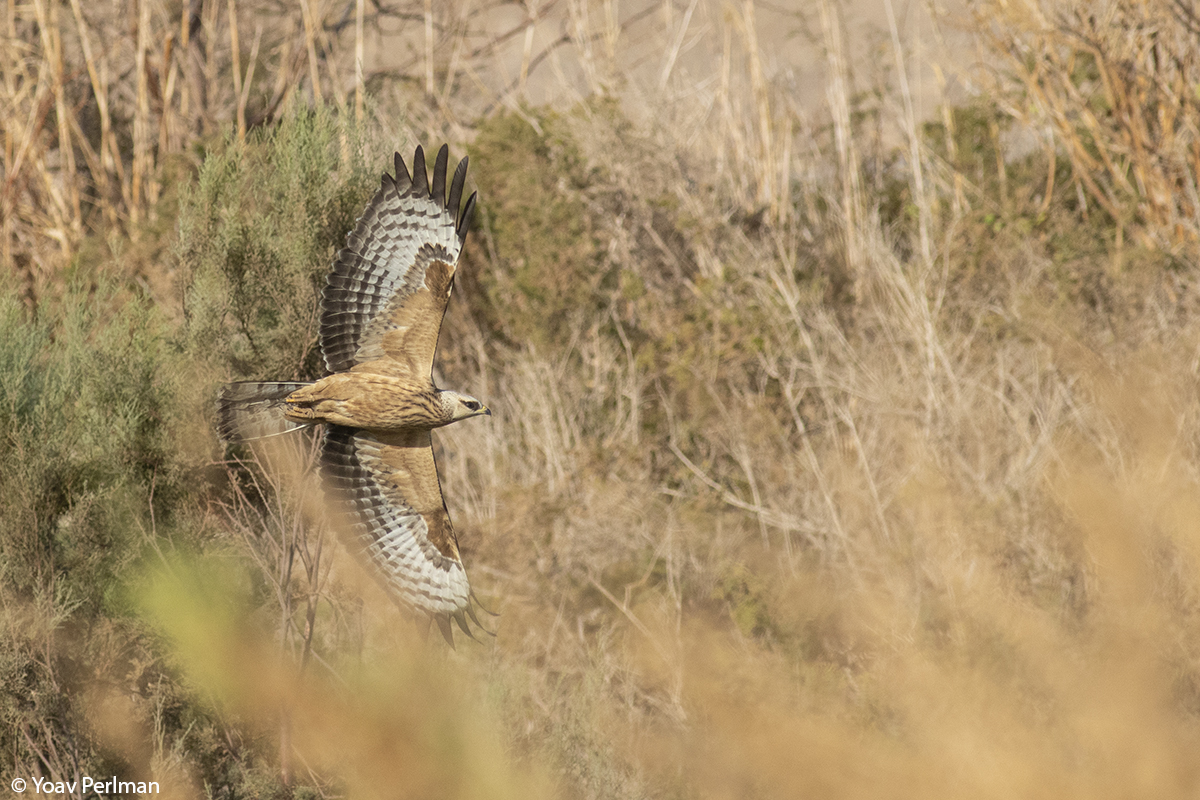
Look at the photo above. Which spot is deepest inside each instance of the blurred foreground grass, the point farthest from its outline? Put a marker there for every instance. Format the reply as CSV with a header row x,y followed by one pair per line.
x,y
817,468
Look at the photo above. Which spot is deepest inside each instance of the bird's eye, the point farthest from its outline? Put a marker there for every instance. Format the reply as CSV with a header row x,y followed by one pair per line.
x,y
471,405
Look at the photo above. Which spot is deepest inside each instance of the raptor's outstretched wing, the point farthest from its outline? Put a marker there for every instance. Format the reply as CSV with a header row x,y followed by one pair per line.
x,y
384,299
386,487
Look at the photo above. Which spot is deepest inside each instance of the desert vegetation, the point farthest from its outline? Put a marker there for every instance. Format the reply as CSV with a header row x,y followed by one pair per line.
x,y
845,439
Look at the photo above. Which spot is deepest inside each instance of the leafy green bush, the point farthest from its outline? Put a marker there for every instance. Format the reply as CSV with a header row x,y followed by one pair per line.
x,y
536,225
256,237
83,401
86,469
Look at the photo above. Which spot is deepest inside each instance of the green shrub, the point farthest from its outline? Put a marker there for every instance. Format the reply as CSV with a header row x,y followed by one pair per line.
x,y
257,234
547,271
86,470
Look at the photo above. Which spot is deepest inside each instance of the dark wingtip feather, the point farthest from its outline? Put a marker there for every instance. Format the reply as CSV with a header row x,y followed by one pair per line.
x,y
456,187
420,181
402,170
464,220
443,623
461,619
482,607
439,174
475,619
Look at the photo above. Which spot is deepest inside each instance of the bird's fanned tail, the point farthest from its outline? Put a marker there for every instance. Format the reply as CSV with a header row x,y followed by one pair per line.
x,y
254,410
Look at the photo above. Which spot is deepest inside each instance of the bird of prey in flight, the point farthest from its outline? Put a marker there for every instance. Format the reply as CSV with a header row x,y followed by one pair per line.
x,y
381,312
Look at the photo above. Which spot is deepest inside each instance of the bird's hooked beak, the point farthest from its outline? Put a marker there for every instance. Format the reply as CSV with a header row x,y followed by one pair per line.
x,y
485,411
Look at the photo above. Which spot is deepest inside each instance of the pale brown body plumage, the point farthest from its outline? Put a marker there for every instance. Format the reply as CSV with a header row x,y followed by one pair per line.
x,y
381,314
368,400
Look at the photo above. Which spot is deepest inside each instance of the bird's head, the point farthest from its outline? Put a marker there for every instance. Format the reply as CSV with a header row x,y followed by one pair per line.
x,y
461,406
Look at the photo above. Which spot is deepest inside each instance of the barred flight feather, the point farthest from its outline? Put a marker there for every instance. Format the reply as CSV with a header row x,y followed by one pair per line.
x,y
380,260
384,523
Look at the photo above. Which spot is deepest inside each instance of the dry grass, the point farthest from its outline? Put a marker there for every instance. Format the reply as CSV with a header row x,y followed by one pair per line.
x,y
812,472
1113,82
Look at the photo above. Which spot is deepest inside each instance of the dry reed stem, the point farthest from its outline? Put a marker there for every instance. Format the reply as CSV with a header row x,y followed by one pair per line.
x,y
185,51
166,122
723,101
837,94
785,173
531,11
456,55
766,156
579,29
428,18
142,163
329,51
210,11
676,44
359,88
916,169
10,70
235,54
612,30
289,68
310,23
244,96
48,22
